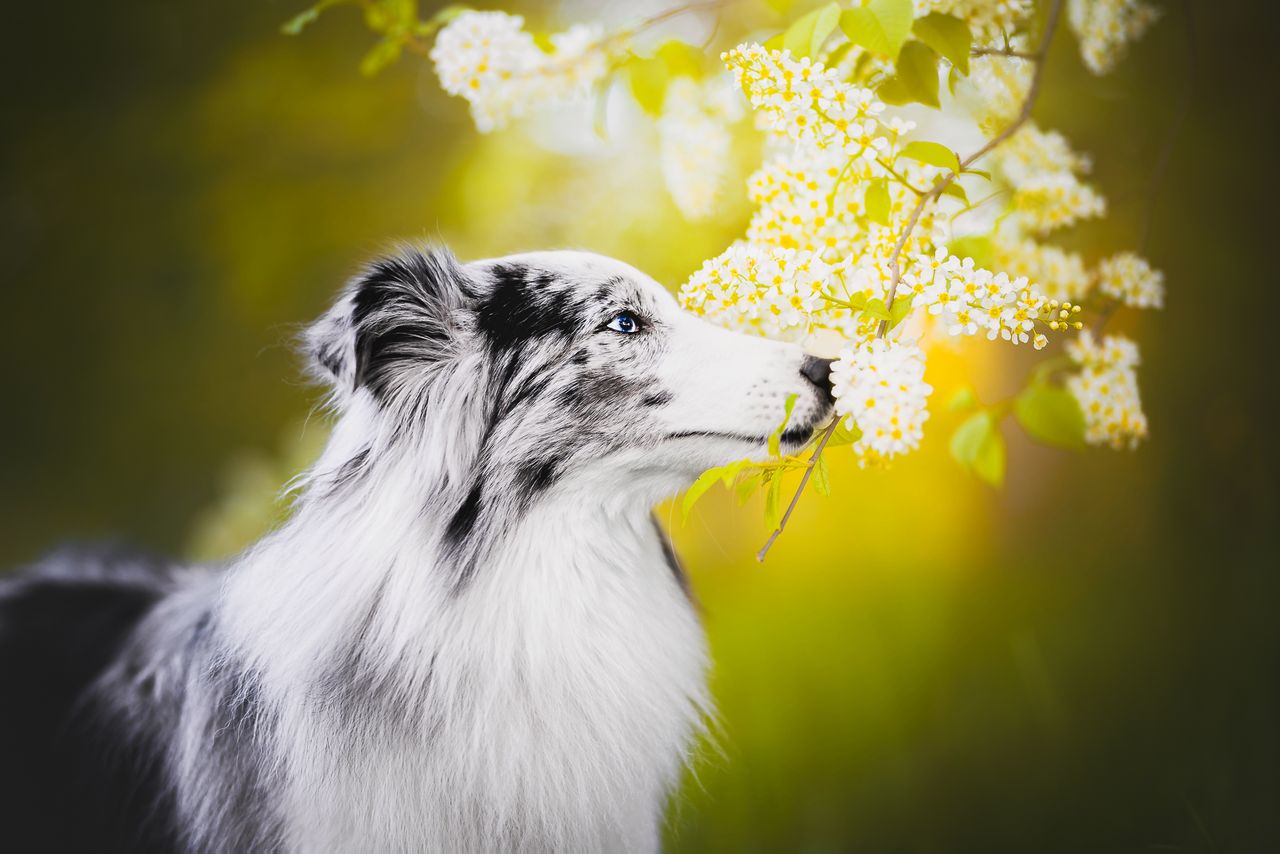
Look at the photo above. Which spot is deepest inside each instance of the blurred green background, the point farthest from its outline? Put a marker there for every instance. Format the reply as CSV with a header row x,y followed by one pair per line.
x,y
1088,660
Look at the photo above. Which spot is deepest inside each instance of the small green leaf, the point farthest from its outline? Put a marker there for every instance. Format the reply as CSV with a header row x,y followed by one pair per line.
x,y
978,247
775,438
877,309
844,436
380,56
982,173
773,500
956,191
807,35
900,309
822,477
933,153
962,398
990,463
775,42
877,202
649,76
978,446
917,77
1050,414
439,19
648,79
298,22
295,25
948,35
723,474
880,26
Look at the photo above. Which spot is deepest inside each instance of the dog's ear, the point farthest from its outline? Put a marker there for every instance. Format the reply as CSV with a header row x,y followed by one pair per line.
x,y
399,313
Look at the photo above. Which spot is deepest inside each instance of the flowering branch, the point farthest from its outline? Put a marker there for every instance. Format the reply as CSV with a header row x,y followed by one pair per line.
x,y
925,200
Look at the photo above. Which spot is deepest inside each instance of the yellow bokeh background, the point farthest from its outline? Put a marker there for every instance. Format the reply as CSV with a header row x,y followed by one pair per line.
x,y
1085,660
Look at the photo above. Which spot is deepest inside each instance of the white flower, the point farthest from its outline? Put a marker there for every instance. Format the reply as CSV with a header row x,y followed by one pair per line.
x,y
1058,273
694,145
488,59
1105,28
1130,279
805,101
1106,388
879,388
766,290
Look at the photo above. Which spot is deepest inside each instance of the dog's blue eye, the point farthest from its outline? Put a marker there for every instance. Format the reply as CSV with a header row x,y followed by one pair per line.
x,y
624,323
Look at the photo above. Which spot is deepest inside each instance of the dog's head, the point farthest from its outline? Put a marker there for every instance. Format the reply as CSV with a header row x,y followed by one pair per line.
x,y
539,369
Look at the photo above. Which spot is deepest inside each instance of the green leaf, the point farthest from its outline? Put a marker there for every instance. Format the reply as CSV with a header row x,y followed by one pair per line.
x,y
917,77
956,191
775,438
773,500
962,398
990,463
877,309
822,477
1050,414
948,35
978,446
649,76
899,310
982,173
775,42
390,16
648,79
880,26
380,56
877,202
439,19
978,247
298,22
844,436
723,474
807,35
933,153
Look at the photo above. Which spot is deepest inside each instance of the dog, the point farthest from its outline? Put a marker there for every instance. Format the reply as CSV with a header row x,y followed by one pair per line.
x,y
470,635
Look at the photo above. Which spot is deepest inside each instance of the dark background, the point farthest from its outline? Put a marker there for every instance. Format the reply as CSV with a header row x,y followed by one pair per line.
x,y
1086,661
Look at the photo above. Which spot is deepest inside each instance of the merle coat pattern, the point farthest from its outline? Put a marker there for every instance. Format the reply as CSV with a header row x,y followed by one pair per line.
x,y
471,635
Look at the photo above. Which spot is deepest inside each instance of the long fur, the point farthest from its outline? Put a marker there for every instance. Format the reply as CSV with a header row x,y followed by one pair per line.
x,y
471,635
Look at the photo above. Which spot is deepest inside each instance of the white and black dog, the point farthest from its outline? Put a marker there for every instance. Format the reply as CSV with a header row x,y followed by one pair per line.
x,y
470,636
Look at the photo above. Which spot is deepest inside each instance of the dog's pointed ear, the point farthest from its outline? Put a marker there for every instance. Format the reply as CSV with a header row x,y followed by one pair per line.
x,y
400,312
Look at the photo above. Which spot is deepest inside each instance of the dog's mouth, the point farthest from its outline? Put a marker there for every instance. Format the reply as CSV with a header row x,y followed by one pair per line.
x,y
795,436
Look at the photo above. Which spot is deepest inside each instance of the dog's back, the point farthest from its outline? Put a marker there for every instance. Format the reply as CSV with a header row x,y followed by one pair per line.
x,y
68,782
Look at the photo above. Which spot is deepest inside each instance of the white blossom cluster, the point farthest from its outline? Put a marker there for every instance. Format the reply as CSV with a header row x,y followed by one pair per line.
x,y
807,102
1060,274
1130,279
988,20
1106,388
968,299
880,389
490,60
772,292
1044,174
995,90
694,143
1106,27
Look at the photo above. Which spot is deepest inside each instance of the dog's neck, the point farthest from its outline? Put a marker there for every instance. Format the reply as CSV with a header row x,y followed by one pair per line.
x,y
554,696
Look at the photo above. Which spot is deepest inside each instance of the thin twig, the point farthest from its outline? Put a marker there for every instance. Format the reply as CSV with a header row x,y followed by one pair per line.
x,y
804,481
1033,91
1004,51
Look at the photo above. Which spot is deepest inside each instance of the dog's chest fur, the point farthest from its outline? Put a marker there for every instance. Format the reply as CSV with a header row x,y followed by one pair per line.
x,y
549,706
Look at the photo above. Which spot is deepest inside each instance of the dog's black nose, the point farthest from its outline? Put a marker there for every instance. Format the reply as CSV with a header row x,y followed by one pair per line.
x,y
818,372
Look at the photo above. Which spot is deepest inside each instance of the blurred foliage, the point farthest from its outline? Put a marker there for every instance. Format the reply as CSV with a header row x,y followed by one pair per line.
x,y
1084,660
